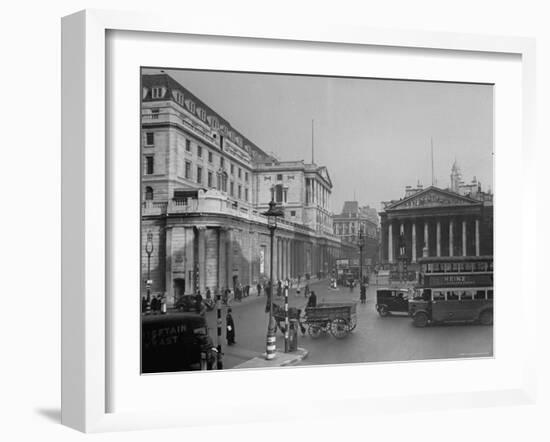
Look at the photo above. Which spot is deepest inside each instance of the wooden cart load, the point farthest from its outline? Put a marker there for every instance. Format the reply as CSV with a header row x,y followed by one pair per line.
x,y
339,319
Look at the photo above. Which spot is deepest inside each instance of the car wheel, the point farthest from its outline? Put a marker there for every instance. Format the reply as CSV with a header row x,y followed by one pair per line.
x,y
383,311
420,319
486,317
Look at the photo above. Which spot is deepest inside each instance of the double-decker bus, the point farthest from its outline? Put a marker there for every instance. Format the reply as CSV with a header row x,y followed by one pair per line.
x,y
453,289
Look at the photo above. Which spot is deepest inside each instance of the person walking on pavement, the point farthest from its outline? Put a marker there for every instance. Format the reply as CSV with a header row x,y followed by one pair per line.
x,y
259,289
363,294
229,328
312,300
306,290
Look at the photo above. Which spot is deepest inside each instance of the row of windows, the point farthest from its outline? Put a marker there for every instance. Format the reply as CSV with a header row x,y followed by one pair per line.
x,y
222,160
279,177
221,184
455,267
462,295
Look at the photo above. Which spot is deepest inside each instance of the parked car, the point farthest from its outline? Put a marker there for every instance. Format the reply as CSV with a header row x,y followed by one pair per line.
x,y
175,342
390,300
188,303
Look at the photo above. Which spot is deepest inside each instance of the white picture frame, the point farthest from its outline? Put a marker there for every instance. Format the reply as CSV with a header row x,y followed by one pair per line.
x,y
85,310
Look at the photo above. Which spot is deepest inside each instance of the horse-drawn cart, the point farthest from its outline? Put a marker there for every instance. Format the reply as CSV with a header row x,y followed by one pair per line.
x,y
339,319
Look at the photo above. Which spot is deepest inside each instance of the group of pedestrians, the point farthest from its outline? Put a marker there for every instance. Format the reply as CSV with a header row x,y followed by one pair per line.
x,y
156,305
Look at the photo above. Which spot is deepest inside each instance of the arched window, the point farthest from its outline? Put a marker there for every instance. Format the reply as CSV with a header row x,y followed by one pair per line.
x,y
148,193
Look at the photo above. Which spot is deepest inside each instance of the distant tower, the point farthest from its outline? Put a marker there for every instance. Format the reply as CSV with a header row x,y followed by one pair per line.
x,y
456,178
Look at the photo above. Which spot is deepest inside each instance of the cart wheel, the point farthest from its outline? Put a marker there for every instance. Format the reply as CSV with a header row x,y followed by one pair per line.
x,y
352,324
383,310
339,328
314,331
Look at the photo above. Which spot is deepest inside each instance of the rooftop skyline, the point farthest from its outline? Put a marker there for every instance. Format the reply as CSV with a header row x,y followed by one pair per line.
x,y
373,135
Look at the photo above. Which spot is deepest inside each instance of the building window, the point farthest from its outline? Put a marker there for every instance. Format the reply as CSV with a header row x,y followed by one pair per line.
x,y
239,173
210,157
246,176
293,213
231,188
150,139
202,114
232,169
156,92
148,193
199,174
246,194
199,151
222,162
280,177
188,145
187,169
191,106
209,179
239,192
155,114
278,193
149,165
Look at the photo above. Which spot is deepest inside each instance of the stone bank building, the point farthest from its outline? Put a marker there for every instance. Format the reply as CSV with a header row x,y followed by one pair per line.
x,y
204,187
455,221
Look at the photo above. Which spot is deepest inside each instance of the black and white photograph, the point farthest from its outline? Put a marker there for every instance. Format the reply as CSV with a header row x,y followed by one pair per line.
x,y
295,220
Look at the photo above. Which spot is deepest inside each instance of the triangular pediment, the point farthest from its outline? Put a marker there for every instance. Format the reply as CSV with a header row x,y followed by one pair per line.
x,y
432,197
324,173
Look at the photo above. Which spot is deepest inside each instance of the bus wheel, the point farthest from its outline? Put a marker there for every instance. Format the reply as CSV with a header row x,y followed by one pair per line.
x,y
383,310
420,319
486,317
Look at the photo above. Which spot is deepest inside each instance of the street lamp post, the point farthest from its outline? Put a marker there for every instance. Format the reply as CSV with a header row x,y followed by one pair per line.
x,y
149,251
361,245
272,215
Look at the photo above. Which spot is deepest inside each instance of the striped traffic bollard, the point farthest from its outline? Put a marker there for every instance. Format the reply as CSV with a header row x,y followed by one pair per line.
x,y
219,361
287,325
270,343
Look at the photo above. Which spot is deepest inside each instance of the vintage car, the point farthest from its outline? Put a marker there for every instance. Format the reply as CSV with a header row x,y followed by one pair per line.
x,y
175,342
390,300
188,303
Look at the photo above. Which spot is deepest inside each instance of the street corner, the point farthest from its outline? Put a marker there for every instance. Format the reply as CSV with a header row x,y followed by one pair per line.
x,y
281,359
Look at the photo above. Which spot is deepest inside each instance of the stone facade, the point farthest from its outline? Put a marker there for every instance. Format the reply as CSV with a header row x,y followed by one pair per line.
x,y
204,188
436,222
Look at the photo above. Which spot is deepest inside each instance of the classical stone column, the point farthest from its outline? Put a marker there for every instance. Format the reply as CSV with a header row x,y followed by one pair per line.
x,y
390,242
426,250
464,248
438,238
413,256
168,284
202,258
189,259
222,253
451,238
229,258
477,237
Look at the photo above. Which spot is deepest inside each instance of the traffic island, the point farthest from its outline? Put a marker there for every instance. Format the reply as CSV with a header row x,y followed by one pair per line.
x,y
281,359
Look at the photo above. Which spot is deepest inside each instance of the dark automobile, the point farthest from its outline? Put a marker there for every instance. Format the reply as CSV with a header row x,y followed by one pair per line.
x,y
175,342
389,300
188,303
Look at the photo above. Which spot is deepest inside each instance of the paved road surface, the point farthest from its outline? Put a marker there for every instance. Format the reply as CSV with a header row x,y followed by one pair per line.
x,y
375,339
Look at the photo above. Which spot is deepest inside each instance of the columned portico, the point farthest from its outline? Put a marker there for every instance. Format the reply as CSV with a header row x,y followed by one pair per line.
x,y
436,222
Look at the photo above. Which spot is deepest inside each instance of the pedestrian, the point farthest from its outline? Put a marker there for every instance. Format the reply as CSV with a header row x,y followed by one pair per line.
x,y
198,303
279,288
247,290
312,300
306,290
259,288
363,294
208,293
143,304
230,328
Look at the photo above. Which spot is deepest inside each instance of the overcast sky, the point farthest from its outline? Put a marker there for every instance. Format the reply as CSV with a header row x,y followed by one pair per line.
x,y
373,135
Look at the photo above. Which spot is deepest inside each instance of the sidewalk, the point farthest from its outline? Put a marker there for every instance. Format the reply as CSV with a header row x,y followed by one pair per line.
x,y
281,359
